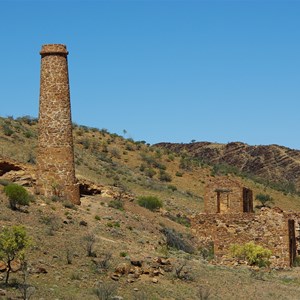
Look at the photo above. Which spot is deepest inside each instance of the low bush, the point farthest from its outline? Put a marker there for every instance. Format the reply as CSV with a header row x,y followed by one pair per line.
x,y
53,224
7,130
117,204
17,195
182,270
150,172
89,242
150,202
115,152
29,134
177,241
105,290
207,251
264,199
163,176
171,187
179,174
254,254
69,204
102,264
181,219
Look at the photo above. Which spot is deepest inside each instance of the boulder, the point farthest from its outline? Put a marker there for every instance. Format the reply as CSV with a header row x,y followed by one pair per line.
x,y
136,262
15,265
123,268
115,276
3,266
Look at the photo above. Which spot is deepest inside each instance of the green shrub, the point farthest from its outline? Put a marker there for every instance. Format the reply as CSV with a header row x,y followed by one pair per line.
x,y
207,252
53,224
129,147
171,187
115,152
7,130
142,167
264,199
123,254
177,240
179,174
27,120
85,143
253,254
183,220
105,290
171,157
113,224
69,204
13,243
150,202
17,195
150,172
163,176
186,163
29,134
159,166
75,276
117,204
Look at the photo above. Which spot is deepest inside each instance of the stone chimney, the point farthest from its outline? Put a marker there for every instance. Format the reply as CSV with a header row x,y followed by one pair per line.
x,y
55,155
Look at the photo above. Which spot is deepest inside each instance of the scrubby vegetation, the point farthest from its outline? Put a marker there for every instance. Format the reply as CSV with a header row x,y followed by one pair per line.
x,y
252,253
13,244
79,249
265,200
150,202
17,195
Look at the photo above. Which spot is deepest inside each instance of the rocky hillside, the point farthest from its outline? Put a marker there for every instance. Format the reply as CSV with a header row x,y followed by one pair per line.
x,y
277,164
110,243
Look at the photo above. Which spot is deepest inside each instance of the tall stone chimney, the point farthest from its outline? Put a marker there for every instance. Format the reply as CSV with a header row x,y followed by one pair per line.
x,y
55,155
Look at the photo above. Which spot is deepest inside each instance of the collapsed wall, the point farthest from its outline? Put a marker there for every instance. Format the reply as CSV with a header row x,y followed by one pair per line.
x,y
229,219
271,228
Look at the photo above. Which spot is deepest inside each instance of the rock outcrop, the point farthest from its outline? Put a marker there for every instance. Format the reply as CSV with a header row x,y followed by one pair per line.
x,y
274,163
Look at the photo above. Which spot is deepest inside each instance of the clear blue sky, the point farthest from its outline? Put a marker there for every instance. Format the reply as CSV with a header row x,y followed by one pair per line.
x,y
174,71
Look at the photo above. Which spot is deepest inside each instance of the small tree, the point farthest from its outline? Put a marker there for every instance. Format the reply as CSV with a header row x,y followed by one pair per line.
x,y
264,199
13,243
17,195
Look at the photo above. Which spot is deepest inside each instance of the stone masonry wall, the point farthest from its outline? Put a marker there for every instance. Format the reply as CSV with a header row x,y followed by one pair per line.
x,y
55,156
269,228
230,195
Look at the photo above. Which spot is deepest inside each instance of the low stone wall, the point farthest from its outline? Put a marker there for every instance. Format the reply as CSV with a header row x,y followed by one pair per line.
x,y
268,228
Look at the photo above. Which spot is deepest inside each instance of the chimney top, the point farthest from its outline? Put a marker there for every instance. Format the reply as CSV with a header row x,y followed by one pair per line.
x,y
58,49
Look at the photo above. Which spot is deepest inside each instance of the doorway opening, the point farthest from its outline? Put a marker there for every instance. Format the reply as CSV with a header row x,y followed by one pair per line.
x,y
247,200
292,241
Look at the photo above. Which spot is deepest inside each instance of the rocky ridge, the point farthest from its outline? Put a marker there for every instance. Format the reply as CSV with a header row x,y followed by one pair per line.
x,y
273,162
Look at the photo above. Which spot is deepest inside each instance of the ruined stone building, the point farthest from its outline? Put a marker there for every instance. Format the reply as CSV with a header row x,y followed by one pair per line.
x,y
229,219
55,155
